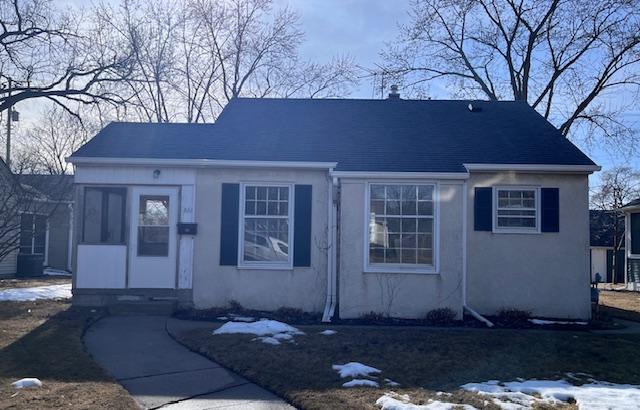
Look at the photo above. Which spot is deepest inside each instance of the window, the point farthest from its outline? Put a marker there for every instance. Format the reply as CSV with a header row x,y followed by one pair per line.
x,y
33,234
516,209
401,226
153,225
266,225
104,213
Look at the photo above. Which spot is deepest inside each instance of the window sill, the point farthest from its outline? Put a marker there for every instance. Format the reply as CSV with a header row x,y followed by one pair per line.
x,y
265,267
101,244
516,231
395,270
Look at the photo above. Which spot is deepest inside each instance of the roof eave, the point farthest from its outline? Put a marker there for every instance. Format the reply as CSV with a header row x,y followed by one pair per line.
x,y
534,168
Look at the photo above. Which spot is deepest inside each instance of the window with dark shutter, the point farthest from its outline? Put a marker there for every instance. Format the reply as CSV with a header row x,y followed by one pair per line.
x,y
635,233
302,225
229,224
550,209
483,209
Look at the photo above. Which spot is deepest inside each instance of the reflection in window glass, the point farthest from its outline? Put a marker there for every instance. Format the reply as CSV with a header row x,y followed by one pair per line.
x,y
103,215
516,208
401,224
153,225
266,224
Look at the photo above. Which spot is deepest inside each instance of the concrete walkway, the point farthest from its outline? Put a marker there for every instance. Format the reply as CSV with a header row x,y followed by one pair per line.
x,y
161,373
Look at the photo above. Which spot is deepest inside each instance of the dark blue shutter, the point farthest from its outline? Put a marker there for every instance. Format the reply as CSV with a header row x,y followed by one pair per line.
x,y
483,209
550,210
229,224
302,226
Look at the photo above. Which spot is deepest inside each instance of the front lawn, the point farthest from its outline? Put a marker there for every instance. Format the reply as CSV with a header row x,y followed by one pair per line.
x,y
43,339
424,361
621,303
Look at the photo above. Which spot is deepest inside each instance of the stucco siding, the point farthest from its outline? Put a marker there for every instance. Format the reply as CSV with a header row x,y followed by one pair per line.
x,y
405,295
545,273
215,285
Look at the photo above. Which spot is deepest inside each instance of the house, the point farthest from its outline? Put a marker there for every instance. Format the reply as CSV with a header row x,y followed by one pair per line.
x,y
606,236
338,206
36,213
632,238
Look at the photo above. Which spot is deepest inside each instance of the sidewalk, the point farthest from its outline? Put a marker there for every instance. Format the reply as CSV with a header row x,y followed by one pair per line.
x,y
160,373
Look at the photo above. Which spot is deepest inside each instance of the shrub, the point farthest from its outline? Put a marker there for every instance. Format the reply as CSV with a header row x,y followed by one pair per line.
x,y
513,317
372,317
441,316
235,306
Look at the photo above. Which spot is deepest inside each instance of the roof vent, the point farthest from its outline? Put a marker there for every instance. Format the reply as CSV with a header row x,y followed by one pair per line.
x,y
394,94
473,108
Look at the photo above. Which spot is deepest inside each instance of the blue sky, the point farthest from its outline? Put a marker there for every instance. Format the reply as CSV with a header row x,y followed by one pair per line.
x,y
360,28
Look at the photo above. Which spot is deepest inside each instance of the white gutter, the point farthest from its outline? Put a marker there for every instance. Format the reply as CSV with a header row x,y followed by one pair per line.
x,y
537,168
465,204
331,297
198,163
401,175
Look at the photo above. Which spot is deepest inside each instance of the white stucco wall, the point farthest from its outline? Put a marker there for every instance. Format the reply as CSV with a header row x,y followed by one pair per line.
x,y
215,285
405,295
547,273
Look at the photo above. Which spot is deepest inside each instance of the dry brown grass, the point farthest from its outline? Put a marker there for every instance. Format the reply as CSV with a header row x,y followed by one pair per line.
x,y
621,303
43,339
424,361
31,282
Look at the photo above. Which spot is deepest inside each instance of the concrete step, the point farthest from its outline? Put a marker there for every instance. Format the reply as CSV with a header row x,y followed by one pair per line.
x,y
145,307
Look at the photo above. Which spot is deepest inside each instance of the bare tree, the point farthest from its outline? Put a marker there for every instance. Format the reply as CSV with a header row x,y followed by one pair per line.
x,y
618,186
563,57
44,147
46,53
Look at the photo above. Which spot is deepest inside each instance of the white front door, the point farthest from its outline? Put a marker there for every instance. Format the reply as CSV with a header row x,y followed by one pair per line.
x,y
153,238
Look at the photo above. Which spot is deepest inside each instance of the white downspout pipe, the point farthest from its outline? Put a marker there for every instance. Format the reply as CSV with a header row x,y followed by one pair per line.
x,y
331,299
70,238
465,213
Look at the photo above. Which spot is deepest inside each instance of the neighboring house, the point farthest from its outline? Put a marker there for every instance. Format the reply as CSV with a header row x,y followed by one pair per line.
x,y
603,243
632,238
7,182
43,221
338,206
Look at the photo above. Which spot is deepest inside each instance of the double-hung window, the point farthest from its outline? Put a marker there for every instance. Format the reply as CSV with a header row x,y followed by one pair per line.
x,y
33,234
104,215
516,209
266,226
401,227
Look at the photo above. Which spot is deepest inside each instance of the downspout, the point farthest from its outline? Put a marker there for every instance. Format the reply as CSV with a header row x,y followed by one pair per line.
x,y
70,238
331,298
465,213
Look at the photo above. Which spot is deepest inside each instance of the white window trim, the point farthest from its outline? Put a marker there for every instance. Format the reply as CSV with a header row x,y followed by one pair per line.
x,y
242,264
494,201
400,268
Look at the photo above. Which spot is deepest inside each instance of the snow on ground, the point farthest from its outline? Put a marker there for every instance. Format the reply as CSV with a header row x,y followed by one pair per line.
x,y
360,382
27,383
268,331
391,383
555,322
527,393
55,272
39,292
328,332
353,369
394,401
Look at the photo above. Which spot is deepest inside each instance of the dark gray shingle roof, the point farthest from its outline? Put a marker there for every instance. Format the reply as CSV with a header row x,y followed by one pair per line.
x,y
361,135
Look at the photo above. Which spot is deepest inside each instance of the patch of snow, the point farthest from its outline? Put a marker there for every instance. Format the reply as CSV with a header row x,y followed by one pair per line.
x,y
525,394
394,401
243,318
55,272
390,382
39,292
222,318
26,383
261,328
328,332
360,382
269,340
555,322
353,369
283,336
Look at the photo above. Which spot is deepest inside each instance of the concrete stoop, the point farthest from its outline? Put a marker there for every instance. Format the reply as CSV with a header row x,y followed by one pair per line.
x,y
143,307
